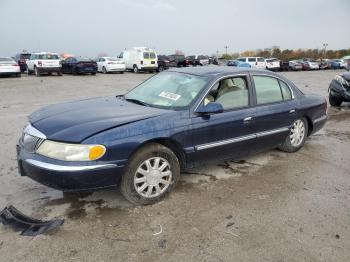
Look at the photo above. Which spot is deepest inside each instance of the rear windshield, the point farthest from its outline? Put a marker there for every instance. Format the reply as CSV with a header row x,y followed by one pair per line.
x,y
48,57
149,55
24,56
84,59
260,59
4,59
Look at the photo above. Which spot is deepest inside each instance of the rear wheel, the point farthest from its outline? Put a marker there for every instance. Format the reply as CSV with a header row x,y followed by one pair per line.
x,y
151,173
135,69
104,70
297,136
36,71
334,101
160,68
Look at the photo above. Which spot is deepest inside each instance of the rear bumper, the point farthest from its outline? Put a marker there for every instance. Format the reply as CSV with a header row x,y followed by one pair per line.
x,y
48,69
68,176
318,123
86,70
148,68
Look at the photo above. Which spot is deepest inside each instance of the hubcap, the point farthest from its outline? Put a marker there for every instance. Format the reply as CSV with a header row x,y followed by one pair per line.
x,y
153,177
297,133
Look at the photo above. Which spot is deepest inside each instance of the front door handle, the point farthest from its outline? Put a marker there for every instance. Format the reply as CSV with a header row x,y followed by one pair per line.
x,y
292,111
247,119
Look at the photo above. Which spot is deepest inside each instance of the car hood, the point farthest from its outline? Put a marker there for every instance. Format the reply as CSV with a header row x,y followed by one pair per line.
x,y
76,121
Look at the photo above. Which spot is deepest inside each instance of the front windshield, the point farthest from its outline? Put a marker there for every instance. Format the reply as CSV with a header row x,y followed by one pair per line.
x,y
169,90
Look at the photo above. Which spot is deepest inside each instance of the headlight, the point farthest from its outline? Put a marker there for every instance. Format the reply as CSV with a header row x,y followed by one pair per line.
x,y
71,152
341,80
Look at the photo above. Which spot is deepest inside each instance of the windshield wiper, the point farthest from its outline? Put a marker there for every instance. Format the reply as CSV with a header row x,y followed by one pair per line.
x,y
136,101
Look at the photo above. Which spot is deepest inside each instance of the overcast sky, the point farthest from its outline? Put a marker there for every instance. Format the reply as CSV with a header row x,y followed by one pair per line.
x,y
89,27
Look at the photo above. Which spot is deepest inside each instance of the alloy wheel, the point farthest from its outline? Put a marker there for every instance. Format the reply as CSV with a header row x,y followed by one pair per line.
x,y
297,133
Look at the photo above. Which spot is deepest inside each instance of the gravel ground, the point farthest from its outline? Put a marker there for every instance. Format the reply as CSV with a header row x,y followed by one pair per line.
x,y
269,207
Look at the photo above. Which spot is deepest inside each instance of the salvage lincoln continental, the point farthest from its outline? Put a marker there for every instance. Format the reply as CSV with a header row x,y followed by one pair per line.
x,y
175,120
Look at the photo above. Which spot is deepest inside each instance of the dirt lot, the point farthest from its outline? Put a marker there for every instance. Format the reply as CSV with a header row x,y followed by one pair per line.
x,y
270,207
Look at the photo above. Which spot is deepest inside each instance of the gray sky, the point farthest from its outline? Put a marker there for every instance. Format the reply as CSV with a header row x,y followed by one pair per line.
x,y
88,27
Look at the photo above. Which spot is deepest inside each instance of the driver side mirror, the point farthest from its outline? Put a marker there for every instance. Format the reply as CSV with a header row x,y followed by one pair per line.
x,y
210,108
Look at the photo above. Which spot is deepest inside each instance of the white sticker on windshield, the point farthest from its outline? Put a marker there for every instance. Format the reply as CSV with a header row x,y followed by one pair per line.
x,y
169,95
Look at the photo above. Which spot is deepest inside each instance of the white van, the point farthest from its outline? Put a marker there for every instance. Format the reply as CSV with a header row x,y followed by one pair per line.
x,y
140,59
257,62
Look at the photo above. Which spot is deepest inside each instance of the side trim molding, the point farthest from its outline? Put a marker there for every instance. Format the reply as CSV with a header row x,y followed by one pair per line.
x,y
62,168
240,139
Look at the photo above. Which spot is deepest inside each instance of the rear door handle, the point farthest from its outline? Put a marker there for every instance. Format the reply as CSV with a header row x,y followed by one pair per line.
x,y
292,111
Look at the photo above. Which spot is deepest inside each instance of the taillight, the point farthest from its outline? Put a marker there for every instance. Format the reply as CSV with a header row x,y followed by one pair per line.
x,y
110,63
40,63
15,65
141,62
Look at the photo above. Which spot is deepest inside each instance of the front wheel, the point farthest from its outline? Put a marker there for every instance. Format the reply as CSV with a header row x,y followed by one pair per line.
x,y
151,173
297,136
334,101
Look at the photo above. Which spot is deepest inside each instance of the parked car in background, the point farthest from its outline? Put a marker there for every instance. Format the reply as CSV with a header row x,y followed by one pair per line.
x,y
256,62
272,64
8,66
295,65
339,89
284,66
21,59
44,63
309,65
342,63
236,63
79,65
140,59
110,65
175,120
180,60
332,64
164,63
198,60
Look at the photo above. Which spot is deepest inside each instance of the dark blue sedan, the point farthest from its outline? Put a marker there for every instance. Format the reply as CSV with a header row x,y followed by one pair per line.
x,y
173,121
79,65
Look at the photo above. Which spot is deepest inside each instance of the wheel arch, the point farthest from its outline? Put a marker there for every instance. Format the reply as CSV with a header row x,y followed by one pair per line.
x,y
309,124
169,143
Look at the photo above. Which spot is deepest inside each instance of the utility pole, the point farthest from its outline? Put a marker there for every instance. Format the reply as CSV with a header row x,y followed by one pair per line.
x,y
226,47
324,49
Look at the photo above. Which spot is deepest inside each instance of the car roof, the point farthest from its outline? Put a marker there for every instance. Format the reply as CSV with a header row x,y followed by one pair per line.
x,y
217,71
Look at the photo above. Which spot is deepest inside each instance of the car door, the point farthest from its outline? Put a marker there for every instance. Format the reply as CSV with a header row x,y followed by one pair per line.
x,y
227,134
30,63
276,110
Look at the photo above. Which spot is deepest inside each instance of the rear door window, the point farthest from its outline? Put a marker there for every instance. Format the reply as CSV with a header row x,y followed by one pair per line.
x,y
287,94
251,59
267,90
152,55
146,55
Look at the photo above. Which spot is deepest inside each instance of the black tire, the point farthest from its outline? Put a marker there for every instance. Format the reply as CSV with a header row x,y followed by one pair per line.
x,y
135,69
94,73
122,72
36,71
287,145
74,71
160,68
127,187
104,70
334,101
